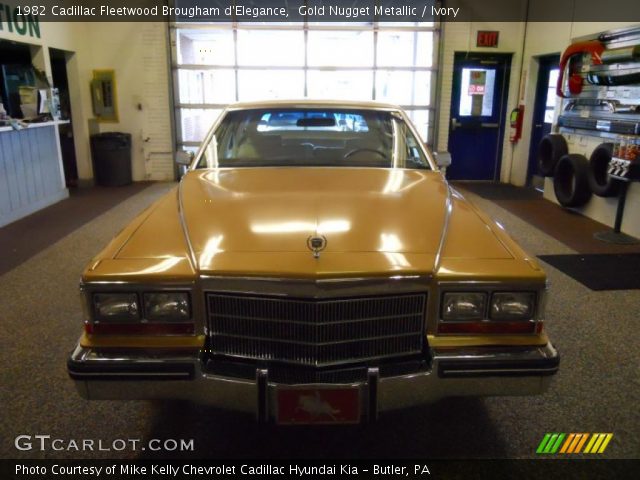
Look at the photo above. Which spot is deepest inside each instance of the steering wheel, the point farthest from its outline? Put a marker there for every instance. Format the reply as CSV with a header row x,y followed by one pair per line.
x,y
364,149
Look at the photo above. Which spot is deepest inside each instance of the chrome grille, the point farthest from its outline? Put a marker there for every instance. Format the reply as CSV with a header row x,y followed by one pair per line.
x,y
316,332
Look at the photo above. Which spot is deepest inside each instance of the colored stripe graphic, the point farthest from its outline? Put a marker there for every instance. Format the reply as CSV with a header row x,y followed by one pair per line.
x,y
543,443
577,443
572,443
550,443
598,443
567,443
590,444
605,443
581,442
556,445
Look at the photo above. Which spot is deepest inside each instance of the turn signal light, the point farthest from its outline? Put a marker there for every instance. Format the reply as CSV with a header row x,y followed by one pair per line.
x,y
140,328
475,328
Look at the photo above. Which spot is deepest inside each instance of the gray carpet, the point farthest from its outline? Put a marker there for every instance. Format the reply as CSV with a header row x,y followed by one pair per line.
x,y
597,389
599,272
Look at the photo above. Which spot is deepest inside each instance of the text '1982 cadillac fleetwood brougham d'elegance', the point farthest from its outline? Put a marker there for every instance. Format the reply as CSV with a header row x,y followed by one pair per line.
x,y
312,266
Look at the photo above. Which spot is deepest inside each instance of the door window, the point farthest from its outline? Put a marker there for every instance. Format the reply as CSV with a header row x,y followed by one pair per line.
x,y
270,47
550,104
340,48
476,92
273,84
403,87
341,85
220,63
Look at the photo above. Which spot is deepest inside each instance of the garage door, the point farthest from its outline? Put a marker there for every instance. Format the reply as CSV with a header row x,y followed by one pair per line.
x,y
217,64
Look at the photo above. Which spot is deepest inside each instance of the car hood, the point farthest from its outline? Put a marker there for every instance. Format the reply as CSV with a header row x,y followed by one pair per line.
x,y
256,222
278,209
256,211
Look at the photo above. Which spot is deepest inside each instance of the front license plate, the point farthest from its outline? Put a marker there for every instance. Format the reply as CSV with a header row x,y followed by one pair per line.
x,y
317,405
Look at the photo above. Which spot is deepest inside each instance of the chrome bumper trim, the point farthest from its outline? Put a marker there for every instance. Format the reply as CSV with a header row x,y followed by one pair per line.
x,y
491,371
530,361
373,380
262,400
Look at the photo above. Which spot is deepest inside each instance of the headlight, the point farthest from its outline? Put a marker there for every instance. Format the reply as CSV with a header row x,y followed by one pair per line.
x,y
117,307
513,305
463,306
167,306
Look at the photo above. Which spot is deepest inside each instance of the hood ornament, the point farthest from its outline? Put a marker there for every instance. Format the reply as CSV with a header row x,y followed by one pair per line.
x,y
316,244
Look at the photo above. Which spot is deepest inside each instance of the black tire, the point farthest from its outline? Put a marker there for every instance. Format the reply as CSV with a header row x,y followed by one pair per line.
x,y
551,148
571,180
599,180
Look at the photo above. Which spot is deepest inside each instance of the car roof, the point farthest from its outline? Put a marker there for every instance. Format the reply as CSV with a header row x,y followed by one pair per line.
x,y
306,103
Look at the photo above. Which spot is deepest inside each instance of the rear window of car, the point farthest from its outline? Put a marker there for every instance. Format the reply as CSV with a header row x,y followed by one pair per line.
x,y
313,137
299,120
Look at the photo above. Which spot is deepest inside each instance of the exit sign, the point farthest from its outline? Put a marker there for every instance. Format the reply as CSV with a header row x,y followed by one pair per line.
x,y
487,38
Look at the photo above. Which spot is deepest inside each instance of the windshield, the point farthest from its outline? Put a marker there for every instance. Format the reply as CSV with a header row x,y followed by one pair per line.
x,y
313,137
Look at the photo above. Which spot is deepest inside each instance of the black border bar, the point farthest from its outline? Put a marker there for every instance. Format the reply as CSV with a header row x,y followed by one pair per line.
x,y
358,11
326,469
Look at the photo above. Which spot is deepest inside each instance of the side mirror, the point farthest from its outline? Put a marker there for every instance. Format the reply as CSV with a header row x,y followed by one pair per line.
x,y
443,159
184,158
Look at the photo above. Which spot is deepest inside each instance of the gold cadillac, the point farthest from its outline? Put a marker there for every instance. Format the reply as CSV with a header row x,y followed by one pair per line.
x,y
312,266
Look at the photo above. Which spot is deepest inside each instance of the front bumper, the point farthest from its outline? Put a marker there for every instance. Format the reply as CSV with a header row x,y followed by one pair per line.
x,y
105,375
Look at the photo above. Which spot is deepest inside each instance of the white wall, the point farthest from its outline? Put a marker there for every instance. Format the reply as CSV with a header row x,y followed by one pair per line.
x,y
138,54
542,38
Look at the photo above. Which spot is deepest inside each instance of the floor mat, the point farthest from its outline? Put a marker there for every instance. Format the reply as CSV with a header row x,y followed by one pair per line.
x,y
600,272
565,225
499,191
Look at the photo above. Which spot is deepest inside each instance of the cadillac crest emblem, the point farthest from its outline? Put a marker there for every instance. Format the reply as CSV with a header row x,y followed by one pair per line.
x,y
316,244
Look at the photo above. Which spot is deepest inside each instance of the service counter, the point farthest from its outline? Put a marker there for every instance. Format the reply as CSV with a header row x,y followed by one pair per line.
x,y
31,170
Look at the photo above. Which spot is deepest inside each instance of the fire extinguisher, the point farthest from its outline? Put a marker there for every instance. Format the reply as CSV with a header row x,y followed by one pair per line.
x,y
515,121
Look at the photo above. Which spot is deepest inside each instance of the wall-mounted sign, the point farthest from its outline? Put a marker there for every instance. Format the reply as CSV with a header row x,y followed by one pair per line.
x,y
487,38
12,19
477,82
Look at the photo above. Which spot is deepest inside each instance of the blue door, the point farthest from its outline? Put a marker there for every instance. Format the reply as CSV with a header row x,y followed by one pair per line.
x,y
478,103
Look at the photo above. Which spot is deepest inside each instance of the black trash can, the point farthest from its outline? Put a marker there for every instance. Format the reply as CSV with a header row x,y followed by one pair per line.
x,y
111,153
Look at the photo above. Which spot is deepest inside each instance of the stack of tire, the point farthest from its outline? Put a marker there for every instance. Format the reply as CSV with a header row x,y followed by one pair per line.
x,y
574,177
